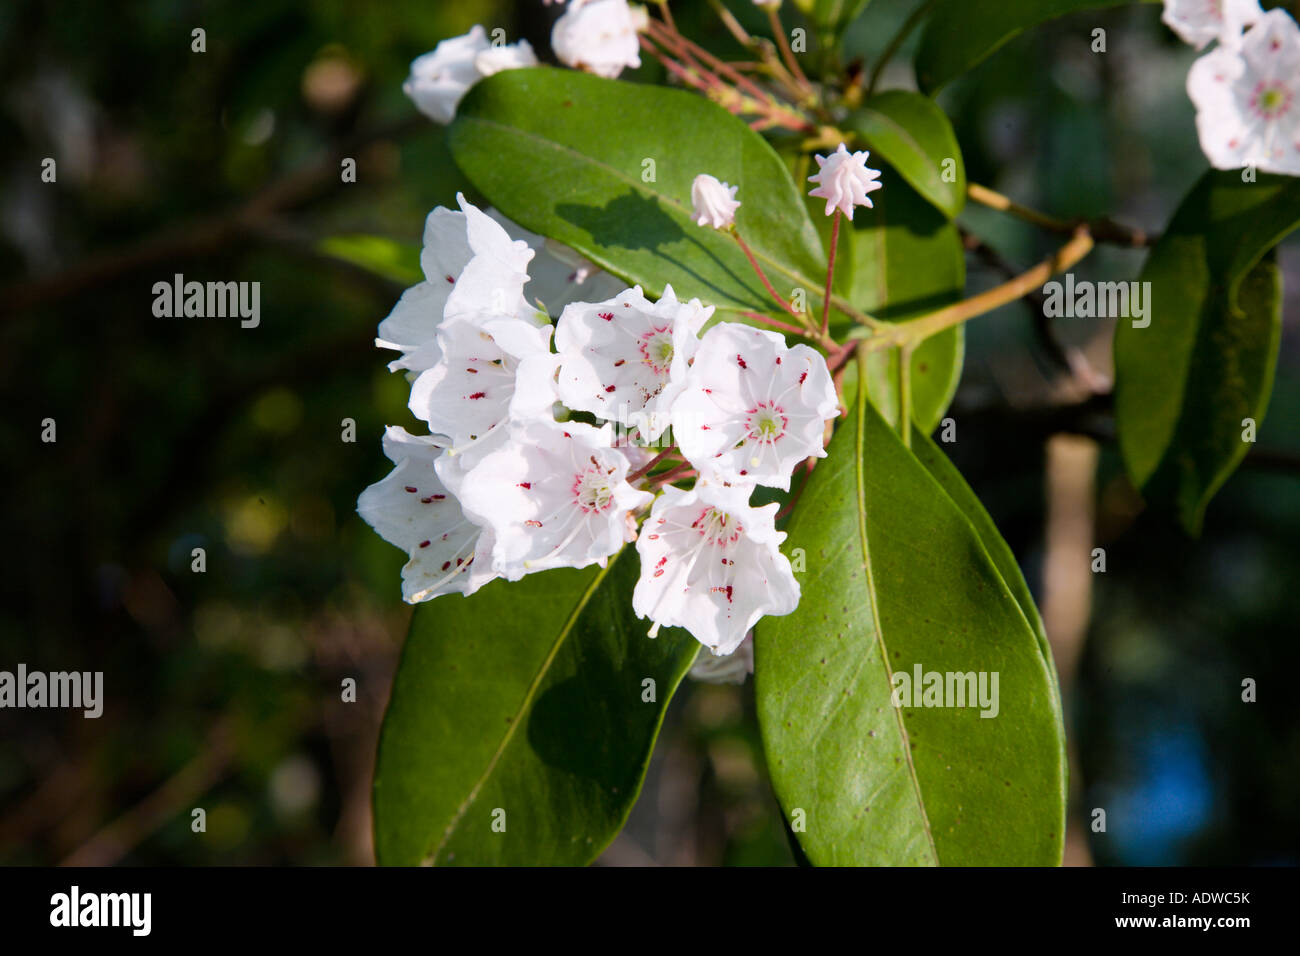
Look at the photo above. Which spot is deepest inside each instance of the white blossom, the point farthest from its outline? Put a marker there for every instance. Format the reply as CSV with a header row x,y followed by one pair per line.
x,y
733,668
476,384
439,79
843,180
599,36
414,509
625,359
753,408
711,563
559,274
473,271
555,494
1200,21
714,203
1248,99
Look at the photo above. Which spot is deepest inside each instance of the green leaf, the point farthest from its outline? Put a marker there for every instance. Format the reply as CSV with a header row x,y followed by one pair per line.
x,y
384,257
1185,382
568,155
959,34
907,261
526,697
943,471
914,135
898,577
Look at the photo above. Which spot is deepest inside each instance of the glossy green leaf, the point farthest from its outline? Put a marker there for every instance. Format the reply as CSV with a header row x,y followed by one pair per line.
x,y
606,167
908,261
385,258
943,471
1185,383
528,698
914,135
959,33
898,578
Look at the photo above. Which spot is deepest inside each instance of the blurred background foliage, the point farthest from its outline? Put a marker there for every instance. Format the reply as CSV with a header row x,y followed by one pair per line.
x,y
223,688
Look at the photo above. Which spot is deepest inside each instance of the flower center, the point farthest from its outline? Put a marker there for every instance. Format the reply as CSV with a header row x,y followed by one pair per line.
x,y
593,491
766,423
657,349
1270,101
717,527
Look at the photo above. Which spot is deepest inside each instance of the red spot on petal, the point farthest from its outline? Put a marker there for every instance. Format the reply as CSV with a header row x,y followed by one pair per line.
x,y
446,565
620,362
778,360
478,395
609,388
533,523
607,316
472,371
411,489
424,544
450,279
526,484
659,573
802,376
741,361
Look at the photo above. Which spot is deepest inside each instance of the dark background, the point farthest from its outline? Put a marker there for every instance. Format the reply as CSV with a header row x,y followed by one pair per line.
x,y
222,688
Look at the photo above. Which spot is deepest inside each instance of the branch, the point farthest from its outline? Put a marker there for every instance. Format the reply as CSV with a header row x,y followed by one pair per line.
x,y
1102,230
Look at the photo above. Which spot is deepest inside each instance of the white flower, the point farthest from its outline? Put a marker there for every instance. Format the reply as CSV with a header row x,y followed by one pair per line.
x,y
440,79
844,180
473,271
710,563
1248,99
414,509
730,668
492,283
558,273
1199,21
488,372
507,56
625,359
753,408
556,496
714,203
599,36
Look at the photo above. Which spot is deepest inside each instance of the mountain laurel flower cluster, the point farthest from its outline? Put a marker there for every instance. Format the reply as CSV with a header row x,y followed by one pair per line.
x,y
522,470
1247,89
